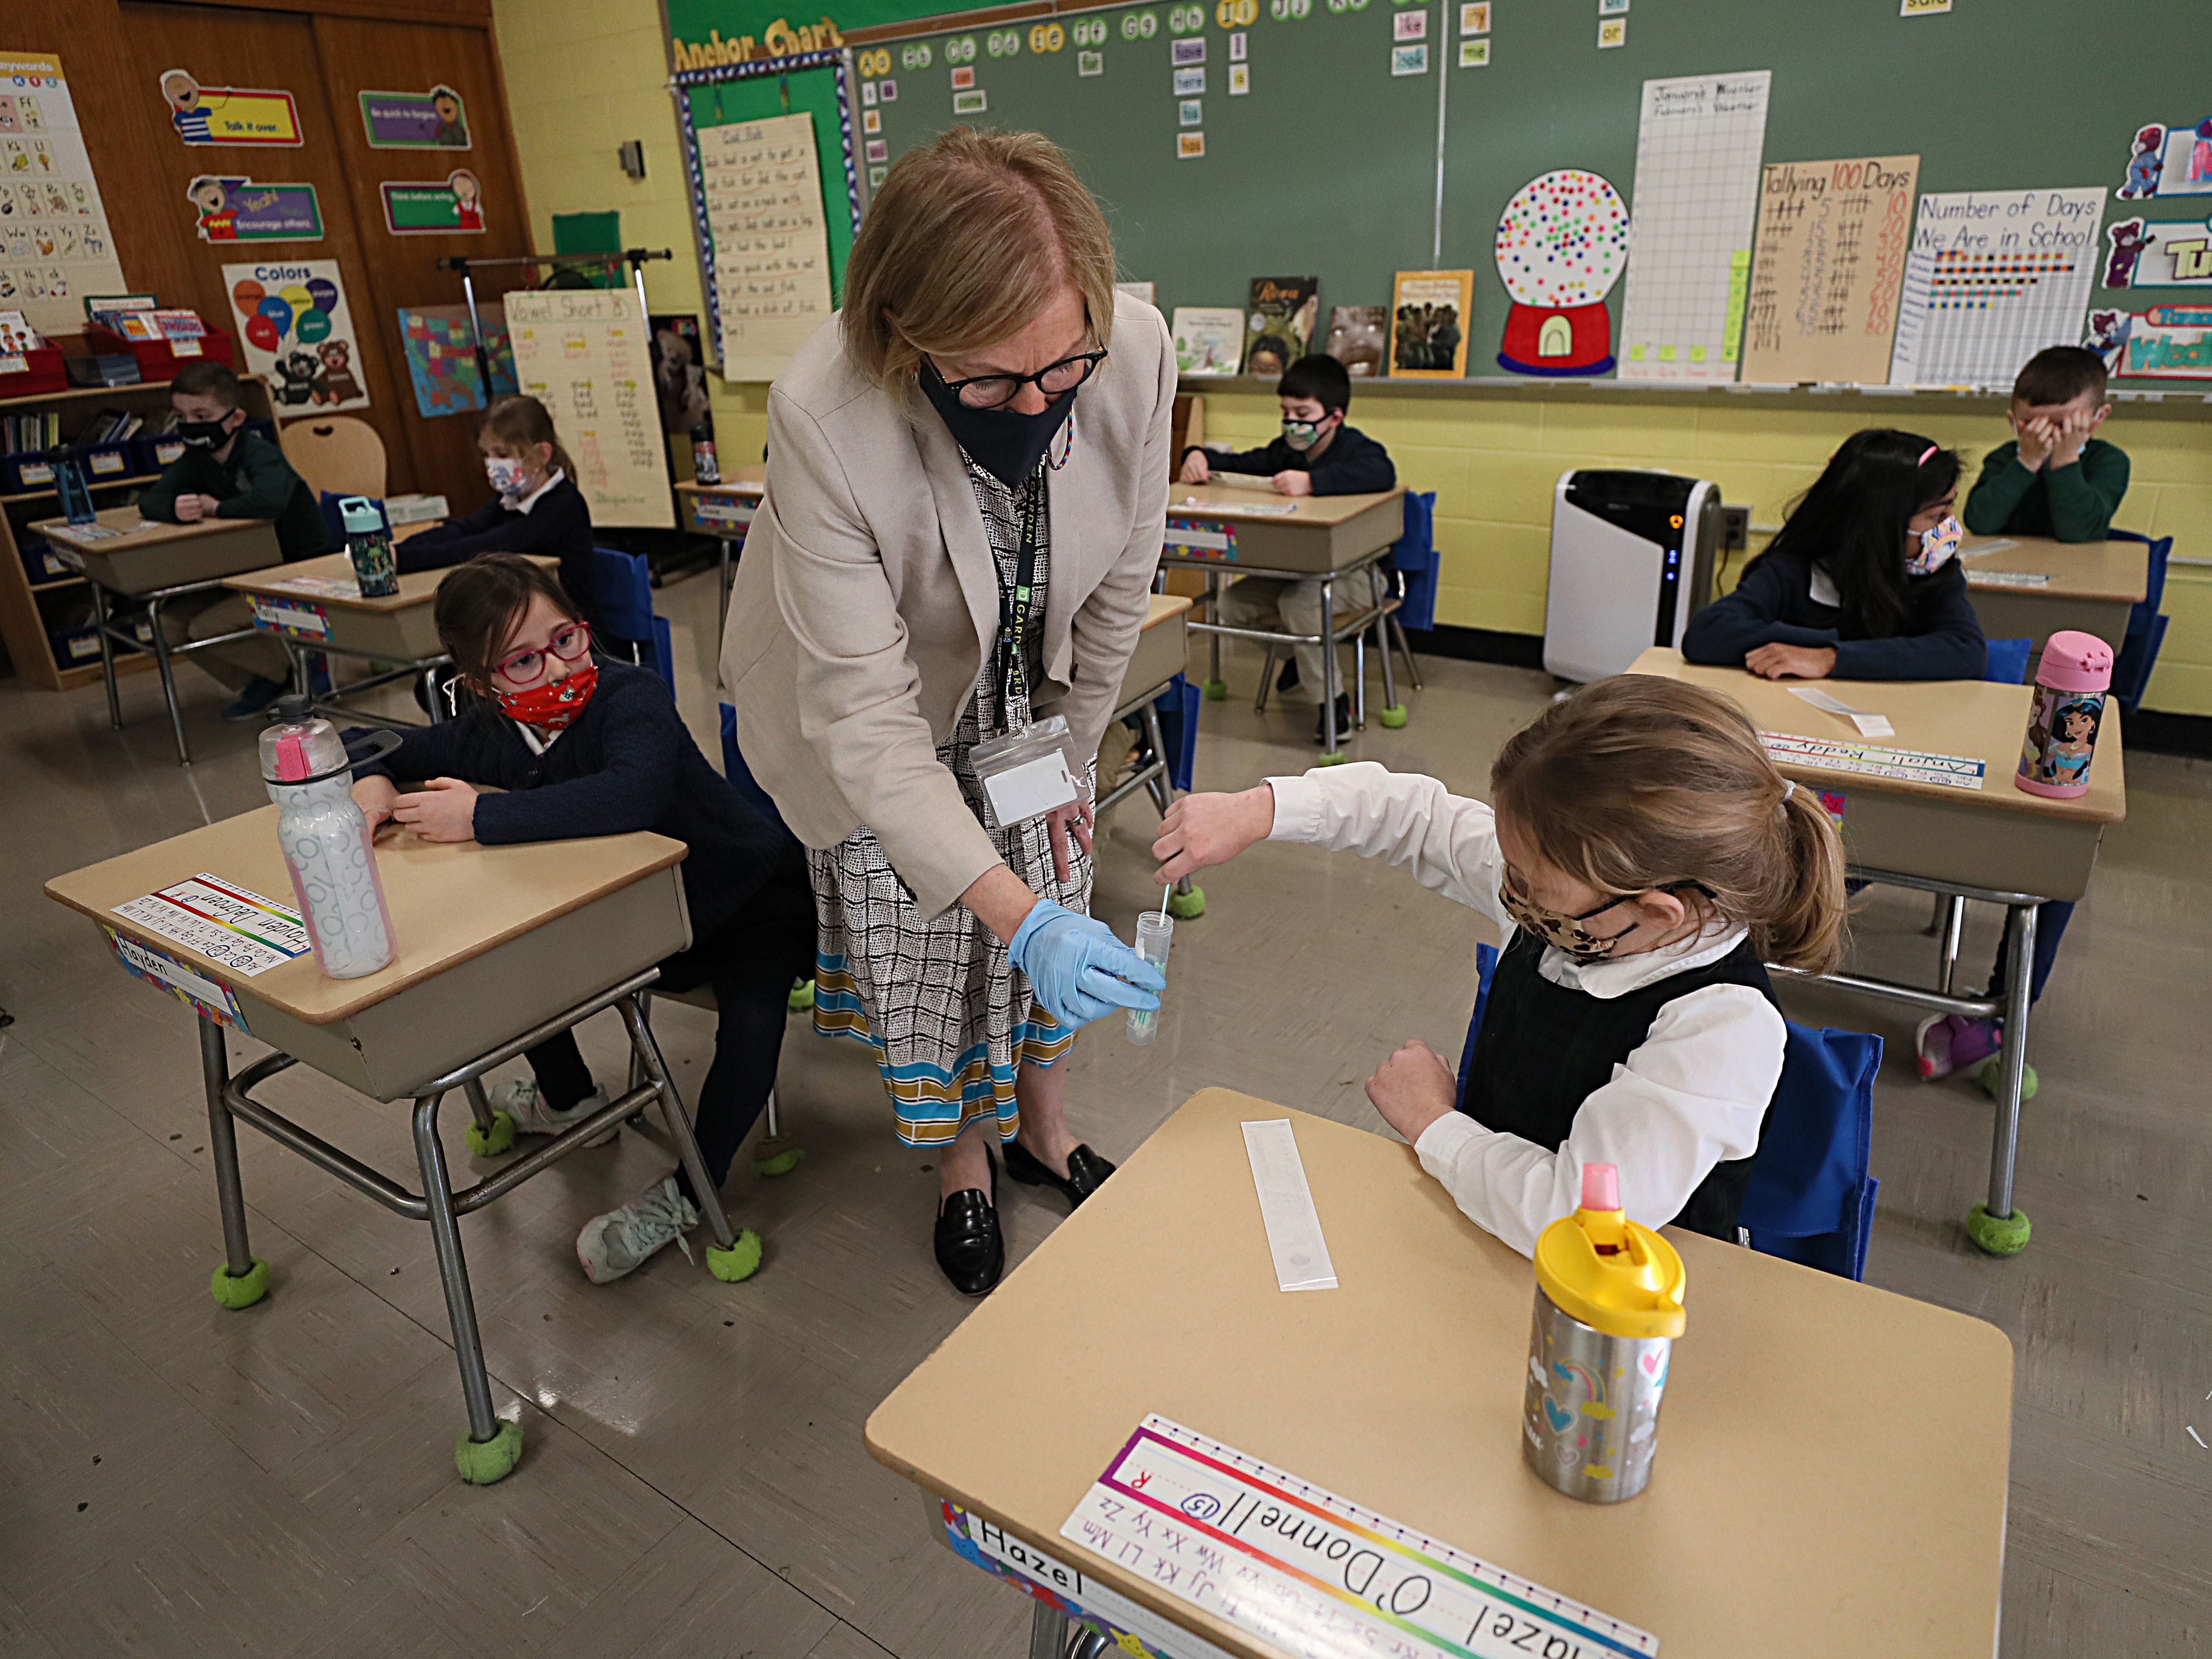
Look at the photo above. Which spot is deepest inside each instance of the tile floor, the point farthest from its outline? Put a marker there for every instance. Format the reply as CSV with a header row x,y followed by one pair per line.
x,y
179,1479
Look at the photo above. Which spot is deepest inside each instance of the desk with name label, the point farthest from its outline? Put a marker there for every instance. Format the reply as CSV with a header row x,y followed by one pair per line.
x,y
1994,843
1814,1492
724,510
2033,587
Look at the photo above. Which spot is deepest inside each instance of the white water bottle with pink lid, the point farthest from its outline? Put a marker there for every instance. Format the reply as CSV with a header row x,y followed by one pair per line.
x,y
2070,683
324,837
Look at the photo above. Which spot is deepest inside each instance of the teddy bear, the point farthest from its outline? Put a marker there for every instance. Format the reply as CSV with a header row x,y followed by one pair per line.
x,y
336,384
298,372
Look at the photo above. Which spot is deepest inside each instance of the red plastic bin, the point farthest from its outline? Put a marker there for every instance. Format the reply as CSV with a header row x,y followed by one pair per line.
x,y
43,374
156,361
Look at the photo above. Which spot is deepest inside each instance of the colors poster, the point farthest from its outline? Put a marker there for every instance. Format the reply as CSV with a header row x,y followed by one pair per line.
x,y
298,334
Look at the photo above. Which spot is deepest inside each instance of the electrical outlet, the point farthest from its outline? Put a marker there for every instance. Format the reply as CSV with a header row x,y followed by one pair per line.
x,y
1736,528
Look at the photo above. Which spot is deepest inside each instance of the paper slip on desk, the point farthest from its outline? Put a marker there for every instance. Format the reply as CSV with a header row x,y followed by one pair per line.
x,y
492,940
317,601
146,554
1973,828
1218,524
1830,1475
2032,587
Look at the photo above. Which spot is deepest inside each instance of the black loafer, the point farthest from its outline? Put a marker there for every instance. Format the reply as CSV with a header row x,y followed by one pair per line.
x,y
970,1250
1086,1172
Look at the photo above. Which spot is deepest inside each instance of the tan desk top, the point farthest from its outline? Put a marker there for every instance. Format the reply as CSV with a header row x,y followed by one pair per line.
x,y
748,482
2117,571
1163,606
1831,1467
448,902
1228,500
1978,718
416,587
137,532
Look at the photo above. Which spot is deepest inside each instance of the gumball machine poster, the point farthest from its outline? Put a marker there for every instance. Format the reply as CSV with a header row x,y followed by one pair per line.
x,y
292,319
1562,244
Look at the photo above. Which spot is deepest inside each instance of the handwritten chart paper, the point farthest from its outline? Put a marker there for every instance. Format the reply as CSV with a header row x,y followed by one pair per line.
x,y
1698,150
1869,760
1832,237
1311,1574
771,257
1994,277
583,353
241,930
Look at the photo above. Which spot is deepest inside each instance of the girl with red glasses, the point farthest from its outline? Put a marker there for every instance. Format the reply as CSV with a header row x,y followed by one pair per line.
x,y
581,748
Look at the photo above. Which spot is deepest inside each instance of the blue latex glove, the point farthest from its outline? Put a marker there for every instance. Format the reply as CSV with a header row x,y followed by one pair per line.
x,y
1079,971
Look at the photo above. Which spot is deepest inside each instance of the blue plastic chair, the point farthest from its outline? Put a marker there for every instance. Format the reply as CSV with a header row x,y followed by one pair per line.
x,y
2008,660
2145,627
624,604
1811,1199
740,775
1178,712
1413,556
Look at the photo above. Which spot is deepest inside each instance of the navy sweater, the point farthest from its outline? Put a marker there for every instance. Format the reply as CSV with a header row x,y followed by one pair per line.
x,y
1773,605
1353,465
627,763
558,526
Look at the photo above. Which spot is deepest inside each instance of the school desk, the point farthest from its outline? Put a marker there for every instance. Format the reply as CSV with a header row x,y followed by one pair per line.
x,y
725,510
1229,532
149,559
2033,587
1830,1471
315,605
498,949
1995,844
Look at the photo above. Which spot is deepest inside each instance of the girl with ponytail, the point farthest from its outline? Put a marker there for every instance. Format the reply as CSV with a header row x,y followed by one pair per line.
x,y
1644,859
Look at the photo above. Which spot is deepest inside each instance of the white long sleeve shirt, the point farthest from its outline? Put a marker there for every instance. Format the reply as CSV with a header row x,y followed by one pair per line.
x,y
1690,1095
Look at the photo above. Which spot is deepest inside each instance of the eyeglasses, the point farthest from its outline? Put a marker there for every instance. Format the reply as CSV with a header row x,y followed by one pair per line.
x,y
1053,380
527,667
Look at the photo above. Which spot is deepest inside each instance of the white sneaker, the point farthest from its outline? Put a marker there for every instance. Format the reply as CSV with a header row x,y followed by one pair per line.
x,y
621,1241
519,1099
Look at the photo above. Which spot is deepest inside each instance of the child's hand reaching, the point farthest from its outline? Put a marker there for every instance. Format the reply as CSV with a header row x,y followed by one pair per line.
x,y
374,795
445,810
1205,829
1412,1089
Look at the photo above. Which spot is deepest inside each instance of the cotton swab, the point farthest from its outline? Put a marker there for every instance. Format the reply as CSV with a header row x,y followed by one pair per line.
x,y
1164,891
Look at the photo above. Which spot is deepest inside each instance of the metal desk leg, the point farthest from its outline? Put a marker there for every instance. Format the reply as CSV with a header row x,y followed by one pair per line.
x,y
1162,788
1997,1226
1047,1633
1216,688
1331,753
1394,711
722,606
168,680
1413,668
1358,679
732,1259
106,653
1951,916
490,1449
243,1279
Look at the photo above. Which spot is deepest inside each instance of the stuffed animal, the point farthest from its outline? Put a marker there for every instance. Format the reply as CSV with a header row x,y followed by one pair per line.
x,y
336,384
298,372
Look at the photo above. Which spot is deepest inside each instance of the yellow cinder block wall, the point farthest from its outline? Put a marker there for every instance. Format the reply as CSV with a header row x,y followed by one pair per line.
x,y
583,75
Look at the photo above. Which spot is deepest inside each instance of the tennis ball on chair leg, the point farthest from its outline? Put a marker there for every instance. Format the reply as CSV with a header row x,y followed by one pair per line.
x,y
490,1143
1997,1235
243,1291
483,1461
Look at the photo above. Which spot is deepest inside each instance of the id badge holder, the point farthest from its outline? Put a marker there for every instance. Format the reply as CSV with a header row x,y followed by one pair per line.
x,y
1026,774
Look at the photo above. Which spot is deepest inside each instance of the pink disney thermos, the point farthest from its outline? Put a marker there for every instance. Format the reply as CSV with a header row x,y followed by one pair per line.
x,y
2070,706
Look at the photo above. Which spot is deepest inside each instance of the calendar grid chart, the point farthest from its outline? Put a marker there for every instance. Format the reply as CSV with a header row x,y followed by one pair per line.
x,y
1699,142
1993,278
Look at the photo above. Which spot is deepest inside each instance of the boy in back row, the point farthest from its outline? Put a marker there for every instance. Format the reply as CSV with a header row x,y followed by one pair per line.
x,y
2056,478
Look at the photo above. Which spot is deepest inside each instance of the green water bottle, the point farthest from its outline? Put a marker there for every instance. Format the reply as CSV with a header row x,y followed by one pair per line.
x,y
368,545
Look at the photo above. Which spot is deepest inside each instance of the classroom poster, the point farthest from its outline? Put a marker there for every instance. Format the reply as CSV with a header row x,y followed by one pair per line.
x,y
435,119
243,210
2167,343
297,332
1993,276
55,246
2171,253
441,350
679,373
1699,143
584,353
453,206
771,250
229,115
1561,244
2167,161
1830,263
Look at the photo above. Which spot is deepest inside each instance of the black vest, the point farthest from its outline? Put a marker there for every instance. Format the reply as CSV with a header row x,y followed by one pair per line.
x,y
1543,1049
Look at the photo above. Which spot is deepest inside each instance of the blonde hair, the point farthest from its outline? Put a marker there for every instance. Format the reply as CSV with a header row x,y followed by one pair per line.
x,y
517,420
969,239
1638,782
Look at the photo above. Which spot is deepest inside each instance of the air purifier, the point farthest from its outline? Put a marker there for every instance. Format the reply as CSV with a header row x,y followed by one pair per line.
x,y
1631,561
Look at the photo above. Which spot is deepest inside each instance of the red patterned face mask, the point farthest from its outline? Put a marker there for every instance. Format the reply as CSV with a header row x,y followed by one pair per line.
x,y
553,705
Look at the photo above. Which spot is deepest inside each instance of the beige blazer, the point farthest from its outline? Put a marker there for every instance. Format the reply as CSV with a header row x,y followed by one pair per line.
x,y
866,596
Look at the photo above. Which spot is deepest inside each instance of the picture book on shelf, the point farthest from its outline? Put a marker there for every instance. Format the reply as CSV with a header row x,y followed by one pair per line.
x,y
1356,336
1280,329
1208,339
1428,324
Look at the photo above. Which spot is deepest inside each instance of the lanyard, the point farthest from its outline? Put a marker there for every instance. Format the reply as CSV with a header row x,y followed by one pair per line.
x,y
1017,605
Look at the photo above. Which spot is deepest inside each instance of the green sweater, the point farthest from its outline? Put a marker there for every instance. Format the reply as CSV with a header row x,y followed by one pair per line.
x,y
2073,503
254,481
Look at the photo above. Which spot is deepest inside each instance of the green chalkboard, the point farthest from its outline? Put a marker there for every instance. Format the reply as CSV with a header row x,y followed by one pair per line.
x,y
1330,163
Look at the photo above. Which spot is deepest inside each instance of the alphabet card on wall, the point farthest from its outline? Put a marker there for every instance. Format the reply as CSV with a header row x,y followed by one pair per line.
x,y
298,333
1993,276
229,115
1830,263
55,246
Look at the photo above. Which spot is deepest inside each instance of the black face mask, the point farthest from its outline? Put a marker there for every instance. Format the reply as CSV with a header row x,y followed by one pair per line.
x,y
1006,445
203,434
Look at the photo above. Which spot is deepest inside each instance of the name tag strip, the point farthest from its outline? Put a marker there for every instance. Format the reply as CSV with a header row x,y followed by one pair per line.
x,y
1312,1575
244,932
1286,1207
1869,760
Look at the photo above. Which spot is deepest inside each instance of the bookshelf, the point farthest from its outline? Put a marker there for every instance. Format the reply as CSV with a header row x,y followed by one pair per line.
x,y
34,611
